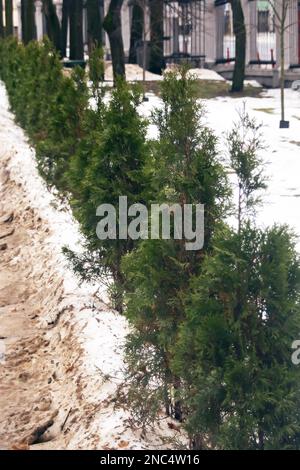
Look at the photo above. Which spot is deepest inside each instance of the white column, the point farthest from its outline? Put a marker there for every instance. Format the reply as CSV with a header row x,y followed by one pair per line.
x,y
220,25
39,20
59,5
210,31
252,30
125,21
19,20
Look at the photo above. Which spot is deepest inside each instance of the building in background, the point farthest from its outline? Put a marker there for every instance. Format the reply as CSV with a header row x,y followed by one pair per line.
x,y
201,32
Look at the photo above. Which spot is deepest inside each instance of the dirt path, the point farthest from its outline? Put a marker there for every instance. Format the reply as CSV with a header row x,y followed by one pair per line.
x,y
61,356
41,377
30,368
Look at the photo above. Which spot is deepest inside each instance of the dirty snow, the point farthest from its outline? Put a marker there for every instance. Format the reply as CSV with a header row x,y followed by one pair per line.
x,y
133,73
206,74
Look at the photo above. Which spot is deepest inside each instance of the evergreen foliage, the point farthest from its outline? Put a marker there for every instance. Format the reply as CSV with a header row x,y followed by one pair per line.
x,y
186,170
46,103
211,330
241,389
212,333
110,163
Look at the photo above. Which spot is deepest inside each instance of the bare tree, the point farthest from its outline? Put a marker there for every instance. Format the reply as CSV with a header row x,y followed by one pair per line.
x,y
281,9
156,59
76,30
136,31
239,30
28,20
94,21
113,27
1,20
142,5
9,28
53,25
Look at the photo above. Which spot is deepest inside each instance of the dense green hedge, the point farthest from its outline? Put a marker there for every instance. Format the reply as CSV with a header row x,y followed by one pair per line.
x,y
212,330
90,151
47,104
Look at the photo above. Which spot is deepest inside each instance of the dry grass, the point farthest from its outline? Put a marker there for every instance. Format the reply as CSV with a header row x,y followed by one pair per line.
x,y
211,89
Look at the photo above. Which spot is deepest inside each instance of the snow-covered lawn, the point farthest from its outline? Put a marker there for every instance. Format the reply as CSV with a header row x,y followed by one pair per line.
x,y
134,73
282,153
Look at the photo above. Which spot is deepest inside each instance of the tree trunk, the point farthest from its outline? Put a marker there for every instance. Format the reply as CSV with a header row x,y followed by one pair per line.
x,y
113,27
9,28
197,442
240,45
94,21
76,30
177,402
64,26
1,20
156,60
283,16
52,24
282,76
28,20
136,33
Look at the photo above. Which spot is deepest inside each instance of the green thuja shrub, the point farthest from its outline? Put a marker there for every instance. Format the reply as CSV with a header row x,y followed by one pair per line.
x,y
186,170
211,329
47,104
240,388
92,125
12,62
110,162
96,74
91,151
65,113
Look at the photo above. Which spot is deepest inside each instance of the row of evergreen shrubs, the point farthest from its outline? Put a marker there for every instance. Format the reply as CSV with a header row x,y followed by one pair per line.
x,y
211,330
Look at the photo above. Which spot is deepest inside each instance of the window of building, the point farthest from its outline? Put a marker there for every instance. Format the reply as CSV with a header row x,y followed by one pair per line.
x,y
263,21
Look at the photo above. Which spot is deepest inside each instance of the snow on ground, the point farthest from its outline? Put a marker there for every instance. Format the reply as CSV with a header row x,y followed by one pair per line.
x,y
253,83
62,354
282,153
249,83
